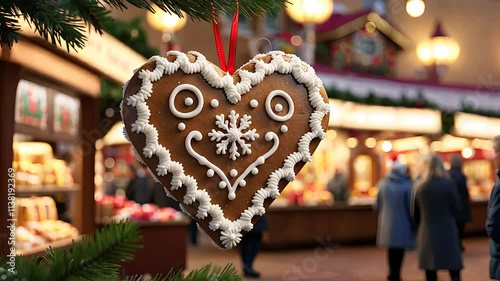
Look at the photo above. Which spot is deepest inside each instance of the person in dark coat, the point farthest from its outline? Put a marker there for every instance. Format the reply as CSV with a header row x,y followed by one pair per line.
x,y
140,187
339,187
395,224
250,246
493,219
435,206
458,177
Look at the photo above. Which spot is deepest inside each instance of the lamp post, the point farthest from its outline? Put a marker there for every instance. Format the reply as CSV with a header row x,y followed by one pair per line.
x,y
167,23
309,13
415,8
438,53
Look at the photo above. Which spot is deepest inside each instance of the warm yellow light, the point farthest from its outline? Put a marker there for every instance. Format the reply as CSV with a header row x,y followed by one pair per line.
x,y
436,146
440,50
310,11
424,53
352,142
386,146
331,134
468,152
415,8
370,27
164,21
371,142
445,50
476,143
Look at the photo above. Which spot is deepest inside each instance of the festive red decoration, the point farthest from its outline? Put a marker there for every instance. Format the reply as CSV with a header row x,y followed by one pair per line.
x,y
233,40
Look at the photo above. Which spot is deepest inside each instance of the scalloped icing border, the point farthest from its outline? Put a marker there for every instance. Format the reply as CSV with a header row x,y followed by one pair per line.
x,y
301,71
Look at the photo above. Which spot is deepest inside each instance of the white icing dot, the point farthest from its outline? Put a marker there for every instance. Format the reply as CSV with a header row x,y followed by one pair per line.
x,y
278,107
222,184
181,126
233,173
243,182
210,173
231,196
255,171
214,103
188,101
284,129
254,103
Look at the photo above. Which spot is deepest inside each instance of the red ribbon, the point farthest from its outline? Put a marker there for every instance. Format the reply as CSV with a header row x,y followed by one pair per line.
x,y
233,39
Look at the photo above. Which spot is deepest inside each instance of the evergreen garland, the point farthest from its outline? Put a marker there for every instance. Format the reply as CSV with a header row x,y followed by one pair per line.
x,y
66,20
447,117
99,257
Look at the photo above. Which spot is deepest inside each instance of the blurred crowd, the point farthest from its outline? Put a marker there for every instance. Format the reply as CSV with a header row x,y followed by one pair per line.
x,y
429,214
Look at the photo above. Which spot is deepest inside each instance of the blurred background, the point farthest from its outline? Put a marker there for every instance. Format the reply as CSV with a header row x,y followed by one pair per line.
x,y
404,78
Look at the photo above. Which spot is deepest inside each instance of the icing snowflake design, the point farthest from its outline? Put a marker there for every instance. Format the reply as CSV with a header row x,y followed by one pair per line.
x,y
233,134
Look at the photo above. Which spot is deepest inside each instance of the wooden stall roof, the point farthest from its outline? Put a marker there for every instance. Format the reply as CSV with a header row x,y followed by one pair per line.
x,y
102,56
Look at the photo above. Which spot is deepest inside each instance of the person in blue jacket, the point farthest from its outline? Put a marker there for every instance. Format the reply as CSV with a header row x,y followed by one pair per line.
x,y
396,229
493,220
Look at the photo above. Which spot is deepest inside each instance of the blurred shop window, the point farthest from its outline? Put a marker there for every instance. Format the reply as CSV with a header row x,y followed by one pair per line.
x,y
363,175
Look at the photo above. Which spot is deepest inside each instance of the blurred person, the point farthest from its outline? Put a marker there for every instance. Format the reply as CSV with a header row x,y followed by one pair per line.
x,y
435,206
460,180
339,187
493,219
250,246
396,229
139,188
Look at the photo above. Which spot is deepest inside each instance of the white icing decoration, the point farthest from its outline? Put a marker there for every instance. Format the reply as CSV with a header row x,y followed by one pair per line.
x,y
255,171
233,134
302,72
233,173
222,184
243,182
210,173
270,136
188,101
278,107
270,111
254,103
184,87
181,126
284,128
214,103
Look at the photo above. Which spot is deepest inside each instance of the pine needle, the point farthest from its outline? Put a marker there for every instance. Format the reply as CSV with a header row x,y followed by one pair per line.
x,y
63,22
206,273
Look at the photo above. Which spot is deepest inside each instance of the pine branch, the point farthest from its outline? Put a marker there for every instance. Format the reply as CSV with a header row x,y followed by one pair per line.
x,y
227,273
96,257
57,21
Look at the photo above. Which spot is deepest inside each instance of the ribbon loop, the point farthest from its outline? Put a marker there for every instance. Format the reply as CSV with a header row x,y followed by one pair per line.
x,y
233,40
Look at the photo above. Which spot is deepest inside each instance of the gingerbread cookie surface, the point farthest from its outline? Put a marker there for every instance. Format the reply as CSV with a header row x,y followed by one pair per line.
x,y
224,146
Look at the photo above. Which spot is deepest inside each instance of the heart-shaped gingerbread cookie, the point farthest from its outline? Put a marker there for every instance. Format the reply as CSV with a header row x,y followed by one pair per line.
x,y
224,146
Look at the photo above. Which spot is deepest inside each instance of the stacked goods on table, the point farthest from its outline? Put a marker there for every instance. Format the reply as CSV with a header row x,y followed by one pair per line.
x,y
38,224
116,208
35,166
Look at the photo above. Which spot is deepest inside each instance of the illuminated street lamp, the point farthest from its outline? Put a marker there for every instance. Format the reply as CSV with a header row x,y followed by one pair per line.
x,y
438,53
415,8
310,13
167,23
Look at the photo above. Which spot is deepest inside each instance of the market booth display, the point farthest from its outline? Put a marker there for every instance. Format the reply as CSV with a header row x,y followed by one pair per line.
x,y
114,157
50,122
362,143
